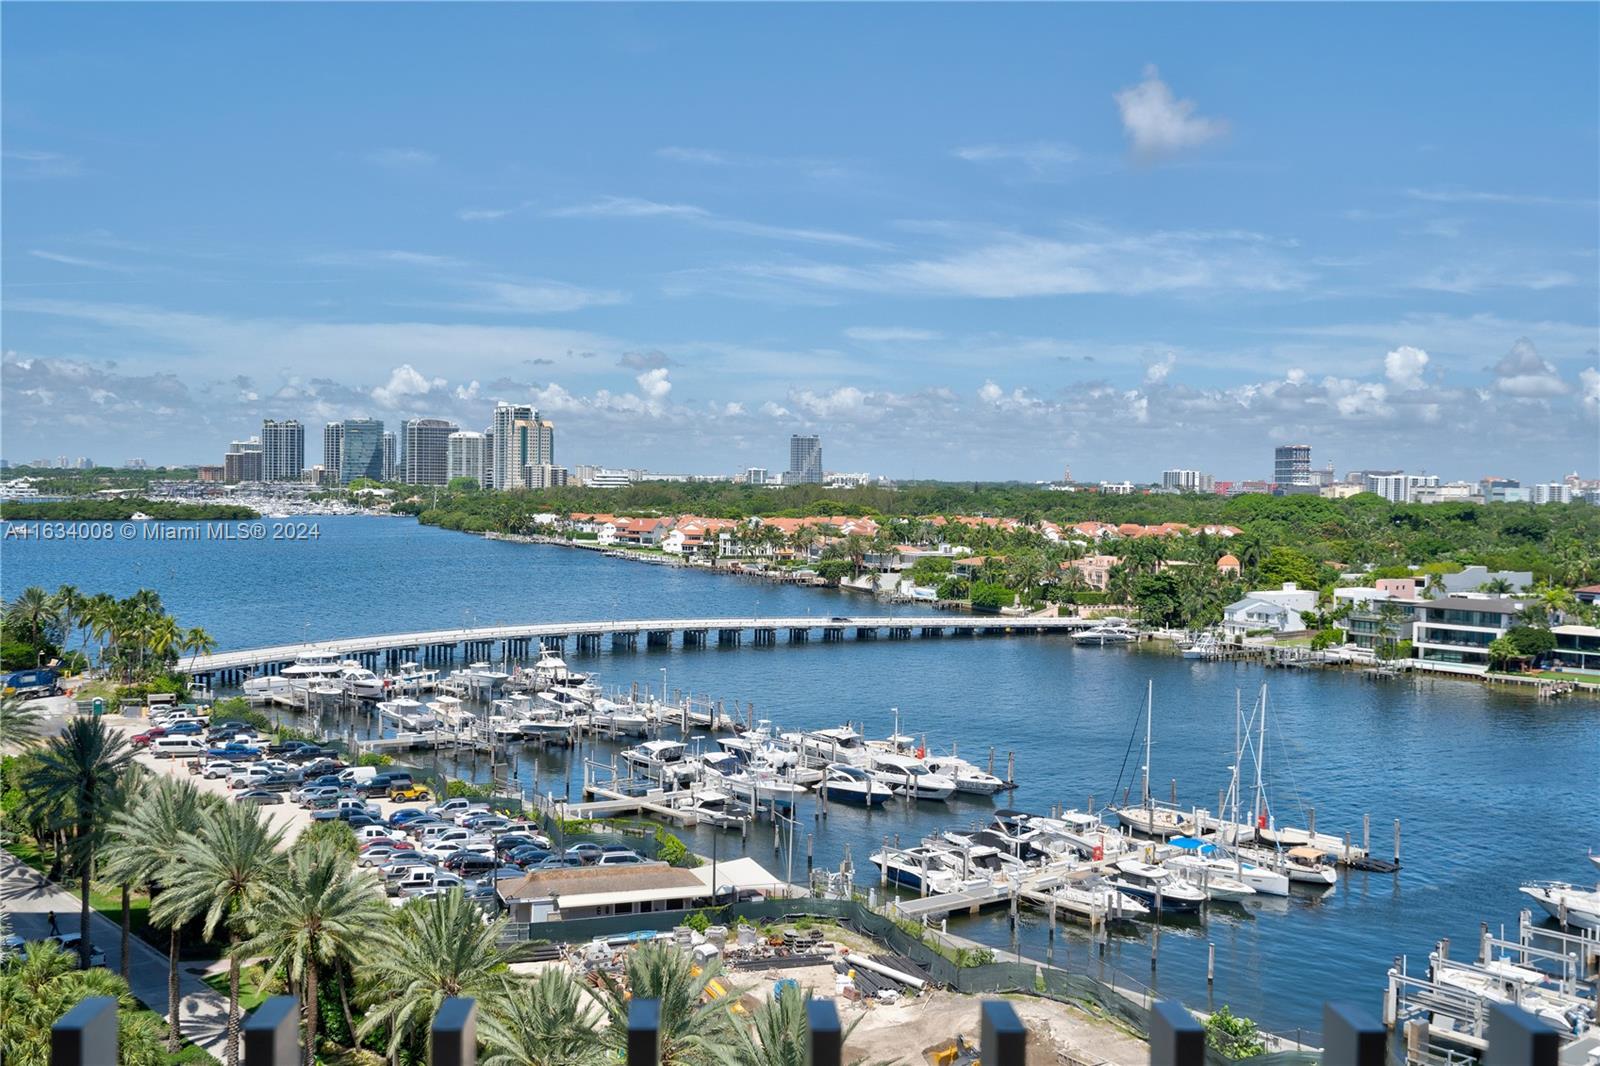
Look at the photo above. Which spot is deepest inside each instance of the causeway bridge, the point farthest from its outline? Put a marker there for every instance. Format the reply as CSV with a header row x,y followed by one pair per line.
x,y
444,646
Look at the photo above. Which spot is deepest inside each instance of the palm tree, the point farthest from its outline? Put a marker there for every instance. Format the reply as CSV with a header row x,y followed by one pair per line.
x,y
85,769
778,1033
100,619
695,1030
1498,586
196,642
222,871
19,722
546,1022
68,603
318,913
35,992
147,841
34,609
434,949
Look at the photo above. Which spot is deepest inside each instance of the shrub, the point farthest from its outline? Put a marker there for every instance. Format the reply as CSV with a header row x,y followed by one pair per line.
x,y
953,588
987,596
699,921
374,758
672,851
1233,1035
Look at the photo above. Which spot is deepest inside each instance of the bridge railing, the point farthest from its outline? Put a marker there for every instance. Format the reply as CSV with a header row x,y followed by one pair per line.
x,y
87,1036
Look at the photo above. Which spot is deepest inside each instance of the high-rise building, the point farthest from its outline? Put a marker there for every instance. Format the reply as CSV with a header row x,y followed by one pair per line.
x,y
1400,487
1291,464
465,457
544,476
755,475
1187,481
805,460
333,451
391,456
283,450
426,450
520,439
488,458
361,450
243,461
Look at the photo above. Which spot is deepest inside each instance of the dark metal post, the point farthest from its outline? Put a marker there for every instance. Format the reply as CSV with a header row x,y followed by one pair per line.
x,y
1005,1040
87,1034
454,1038
271,1033
1517,1038
1351,1037
1176,1037
825,1032
644,1032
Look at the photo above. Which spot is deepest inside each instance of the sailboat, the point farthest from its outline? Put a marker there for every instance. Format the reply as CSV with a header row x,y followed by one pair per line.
x,y
1151,818
1307,865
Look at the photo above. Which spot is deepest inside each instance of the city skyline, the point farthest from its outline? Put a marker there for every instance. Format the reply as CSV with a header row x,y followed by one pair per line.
x,y
1112,250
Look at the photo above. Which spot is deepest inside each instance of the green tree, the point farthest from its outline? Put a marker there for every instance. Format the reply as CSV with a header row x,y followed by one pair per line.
x,y
35,610
695,1030
1502,653
318,913
20,722
543,1022
37,991
1233,1035
68,604
433,949
145,847
778,1033
334,834
83,770
222,871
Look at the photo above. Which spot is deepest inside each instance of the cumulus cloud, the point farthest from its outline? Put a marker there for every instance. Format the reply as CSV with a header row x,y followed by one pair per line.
x,y
1589,385
1156,372
1524,373
1403,367
405,385
654,384
1157,124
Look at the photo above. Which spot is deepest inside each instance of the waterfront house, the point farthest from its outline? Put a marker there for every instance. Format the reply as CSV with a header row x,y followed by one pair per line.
x,y
645,532
1588,594
1096,569
1366,624
1277,610
1453,633
1577,647
1473,578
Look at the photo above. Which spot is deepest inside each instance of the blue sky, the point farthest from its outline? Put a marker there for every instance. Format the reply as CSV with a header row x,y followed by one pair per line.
x,y
958,241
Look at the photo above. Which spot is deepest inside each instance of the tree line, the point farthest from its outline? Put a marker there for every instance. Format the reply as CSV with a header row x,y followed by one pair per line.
x,y
132,641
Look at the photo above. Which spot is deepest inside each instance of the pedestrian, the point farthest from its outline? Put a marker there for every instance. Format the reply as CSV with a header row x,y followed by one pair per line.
x,y
55,930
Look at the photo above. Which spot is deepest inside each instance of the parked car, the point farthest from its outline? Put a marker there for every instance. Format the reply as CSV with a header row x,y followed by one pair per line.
x,y
184,729
213,769
248,777
322,795
506,843
409,794
323,765
621,858
309,752
234,750
440,884
401,864
451,808
259,796
526,855
468,864
140,740
378,855
405,816
586,853
380,784
488,822
556,862
375,831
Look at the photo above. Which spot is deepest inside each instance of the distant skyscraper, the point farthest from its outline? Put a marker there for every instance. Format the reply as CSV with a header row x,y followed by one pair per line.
x,y
283,450
332,451
391,456
426,450
520,438
361,450
805,460
544,476
465,456
1187,481
243,461
1291,464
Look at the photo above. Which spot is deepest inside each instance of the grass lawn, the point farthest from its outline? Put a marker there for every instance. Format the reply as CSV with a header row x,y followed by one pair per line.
x,y
1556,675
254,987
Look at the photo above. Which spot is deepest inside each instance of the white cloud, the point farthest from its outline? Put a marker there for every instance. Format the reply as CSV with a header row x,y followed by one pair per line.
x,y
1403,367
706,156
1160,125
1038,156
541,297
1524,373
1157,371
635,207
77,261
890,334
405,385
1589,383
1474,196
401,158
844,402
654,384
773,410
28,163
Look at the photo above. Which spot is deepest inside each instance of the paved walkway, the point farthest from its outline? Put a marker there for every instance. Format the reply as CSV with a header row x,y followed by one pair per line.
x,y
28,898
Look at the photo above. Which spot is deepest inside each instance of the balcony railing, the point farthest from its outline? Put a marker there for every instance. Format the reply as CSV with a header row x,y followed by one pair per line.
x,y
87,1035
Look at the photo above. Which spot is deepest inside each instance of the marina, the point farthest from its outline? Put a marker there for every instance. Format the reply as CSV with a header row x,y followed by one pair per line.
x,y
1345,755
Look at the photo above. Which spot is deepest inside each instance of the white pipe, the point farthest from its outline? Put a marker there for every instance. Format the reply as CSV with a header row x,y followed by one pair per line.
x,y
887,971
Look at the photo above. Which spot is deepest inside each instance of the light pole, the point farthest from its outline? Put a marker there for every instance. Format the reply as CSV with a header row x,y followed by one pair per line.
x,y
663,684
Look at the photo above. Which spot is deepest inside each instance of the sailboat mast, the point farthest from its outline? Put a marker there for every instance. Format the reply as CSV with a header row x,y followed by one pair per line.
x,y
1149,708
1261,753
1233,789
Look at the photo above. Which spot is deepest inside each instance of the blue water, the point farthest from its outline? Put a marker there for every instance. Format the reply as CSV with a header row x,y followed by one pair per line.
x,y
1491,787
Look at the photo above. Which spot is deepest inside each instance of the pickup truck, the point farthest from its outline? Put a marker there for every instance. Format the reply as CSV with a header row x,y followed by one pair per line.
x,y
233,750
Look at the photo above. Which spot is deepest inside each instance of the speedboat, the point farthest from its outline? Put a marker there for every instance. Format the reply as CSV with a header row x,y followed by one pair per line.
x,y
756,785
1204,648
1090,837
714,807
1503,981
1098,899
843,783
662,759
609,716
551,671
407,714
968,778
1574,906
1302,865
1157,885
414,677
934,869
1111,631
361,682
907,775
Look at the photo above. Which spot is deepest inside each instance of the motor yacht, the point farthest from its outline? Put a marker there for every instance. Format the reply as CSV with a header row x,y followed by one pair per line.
x,y
713,806
824,747
413,677
313,666
407,714
1575,906
1503,981
1110,631
267,685
609,716
664,760
551,671
928,869
843,783
1196,858
1157,885
968,778
1302,866
907,775
360,682
1206,647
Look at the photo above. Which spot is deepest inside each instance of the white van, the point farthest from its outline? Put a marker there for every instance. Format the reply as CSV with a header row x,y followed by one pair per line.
x,y
176,747
357,775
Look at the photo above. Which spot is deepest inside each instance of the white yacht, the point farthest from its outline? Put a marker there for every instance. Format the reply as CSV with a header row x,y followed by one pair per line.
x,y
1110,631
407,714
267,685
714,807
413,677
1503,981
609,716
664,760
1097,899
932,869
551,671
1578,907
1302,866
313,666
1197,859
908,776
1086,833
968,778
1206,647
843,783
1147,881
450,713
824,747
360,682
